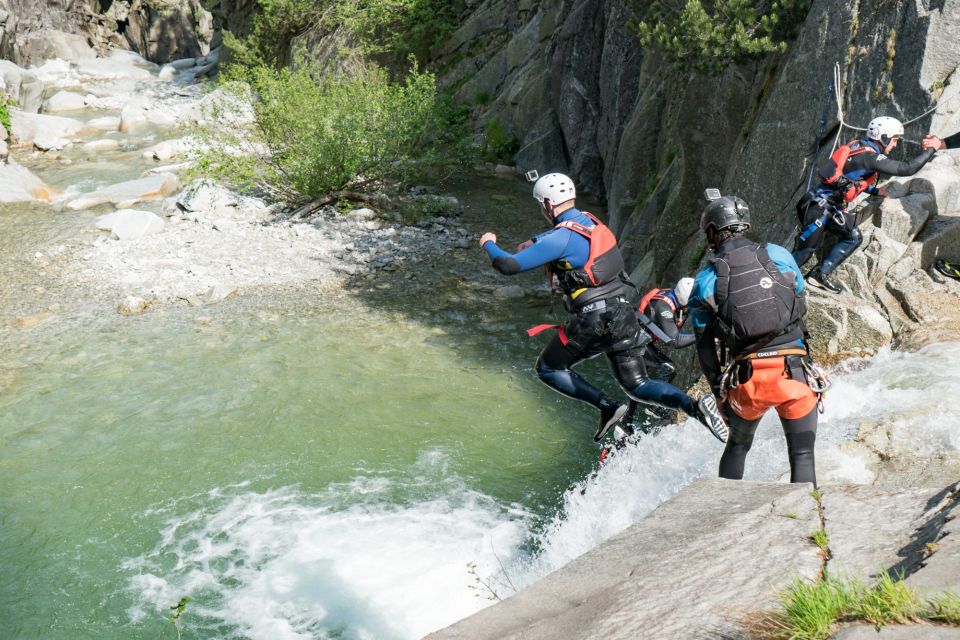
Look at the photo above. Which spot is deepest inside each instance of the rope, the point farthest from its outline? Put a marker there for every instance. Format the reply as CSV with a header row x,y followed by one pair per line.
x,y
823,124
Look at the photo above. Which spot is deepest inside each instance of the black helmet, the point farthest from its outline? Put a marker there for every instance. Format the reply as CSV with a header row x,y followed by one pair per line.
x,y
726,212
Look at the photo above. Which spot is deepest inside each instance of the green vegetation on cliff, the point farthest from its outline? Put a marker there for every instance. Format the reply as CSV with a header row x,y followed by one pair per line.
x,y
708,36
392,29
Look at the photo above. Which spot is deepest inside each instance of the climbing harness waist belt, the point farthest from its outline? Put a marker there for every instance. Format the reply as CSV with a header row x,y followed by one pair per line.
x,y
797,365
599,305
773,353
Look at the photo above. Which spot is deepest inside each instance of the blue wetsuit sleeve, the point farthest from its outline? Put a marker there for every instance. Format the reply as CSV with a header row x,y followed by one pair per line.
x,y
785,262
701,301
546,248
702,306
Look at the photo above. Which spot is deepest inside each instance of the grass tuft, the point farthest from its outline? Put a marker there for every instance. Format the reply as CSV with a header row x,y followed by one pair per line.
x,y
820,538
944,608
889,601
811,609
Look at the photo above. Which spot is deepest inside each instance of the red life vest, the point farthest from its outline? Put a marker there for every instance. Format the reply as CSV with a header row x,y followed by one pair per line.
x,y
664,295
604,264
837,180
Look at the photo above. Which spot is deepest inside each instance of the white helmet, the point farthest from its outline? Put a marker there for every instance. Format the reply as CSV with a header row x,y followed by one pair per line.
x,y
554,187
883,129
683,290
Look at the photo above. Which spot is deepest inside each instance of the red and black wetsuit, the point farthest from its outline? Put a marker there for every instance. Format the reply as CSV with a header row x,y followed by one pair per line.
x,y
824,208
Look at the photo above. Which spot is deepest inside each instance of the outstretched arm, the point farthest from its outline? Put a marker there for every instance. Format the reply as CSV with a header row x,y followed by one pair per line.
x,y
889,166
544,249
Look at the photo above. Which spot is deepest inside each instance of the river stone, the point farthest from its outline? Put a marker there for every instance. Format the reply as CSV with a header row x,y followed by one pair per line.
x,y
106,123
206,196
510,291
183,63
104,144
132,305
220,292
717,548
166,150
64,101
897,632
28,127
167,73
34,320
130,224
127,192
18,184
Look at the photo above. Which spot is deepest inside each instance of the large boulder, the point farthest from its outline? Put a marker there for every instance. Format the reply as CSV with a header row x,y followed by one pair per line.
x,y
64,101
22,86
18,184
26,128
148,188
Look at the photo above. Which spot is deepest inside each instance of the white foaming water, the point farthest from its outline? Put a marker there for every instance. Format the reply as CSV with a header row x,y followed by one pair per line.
x,y
351,563
346,563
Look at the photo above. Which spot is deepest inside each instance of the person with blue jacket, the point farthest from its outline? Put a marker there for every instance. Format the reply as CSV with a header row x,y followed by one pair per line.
x,y
750,299
582,254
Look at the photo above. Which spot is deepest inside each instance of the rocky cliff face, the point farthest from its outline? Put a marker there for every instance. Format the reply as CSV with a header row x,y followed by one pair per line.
x,y
32,31
572,84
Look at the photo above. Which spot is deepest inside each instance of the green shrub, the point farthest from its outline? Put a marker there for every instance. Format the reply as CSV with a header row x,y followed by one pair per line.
x,y
315,133
5,115
500,144
708,36
390,28
398,27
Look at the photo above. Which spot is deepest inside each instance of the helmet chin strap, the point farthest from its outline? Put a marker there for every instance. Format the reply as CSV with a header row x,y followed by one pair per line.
x,y
546,209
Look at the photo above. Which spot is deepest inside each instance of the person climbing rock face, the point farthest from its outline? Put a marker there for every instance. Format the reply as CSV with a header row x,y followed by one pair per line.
x,y
853,169
582,253
751,297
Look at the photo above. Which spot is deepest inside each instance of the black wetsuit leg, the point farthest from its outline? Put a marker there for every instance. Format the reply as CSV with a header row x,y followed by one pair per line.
x,y
554,368
631,372
739,441
801,434
850,240
810,215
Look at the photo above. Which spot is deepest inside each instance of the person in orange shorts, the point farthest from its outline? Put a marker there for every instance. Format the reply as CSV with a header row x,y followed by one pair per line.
x,y
750,300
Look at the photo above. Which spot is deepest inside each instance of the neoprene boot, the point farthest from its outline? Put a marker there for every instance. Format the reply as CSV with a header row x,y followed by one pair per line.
x,y
819,279
611,412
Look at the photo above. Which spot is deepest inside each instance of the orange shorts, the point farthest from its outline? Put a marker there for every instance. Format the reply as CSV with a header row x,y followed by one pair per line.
x,y
770,387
